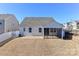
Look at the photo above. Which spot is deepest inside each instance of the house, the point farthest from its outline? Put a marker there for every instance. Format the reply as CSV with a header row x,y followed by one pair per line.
x,y
40,26
68,26
8,23
73,25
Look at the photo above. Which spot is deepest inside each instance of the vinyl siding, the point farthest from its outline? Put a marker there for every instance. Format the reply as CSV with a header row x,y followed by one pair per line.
x,y
11,24
2,23
35,31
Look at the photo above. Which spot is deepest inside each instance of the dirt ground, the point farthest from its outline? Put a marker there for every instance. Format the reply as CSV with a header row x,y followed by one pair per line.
x,y
40,47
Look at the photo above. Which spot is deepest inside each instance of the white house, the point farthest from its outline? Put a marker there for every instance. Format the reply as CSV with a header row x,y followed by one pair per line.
x,y
8,23
40,26
73,25
9,27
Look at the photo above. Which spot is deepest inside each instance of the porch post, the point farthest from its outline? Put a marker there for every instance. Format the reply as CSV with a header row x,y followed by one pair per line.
x,y
43,33
49,32
62,34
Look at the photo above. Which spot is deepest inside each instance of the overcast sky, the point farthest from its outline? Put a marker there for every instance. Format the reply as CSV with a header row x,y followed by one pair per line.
x,y
60,12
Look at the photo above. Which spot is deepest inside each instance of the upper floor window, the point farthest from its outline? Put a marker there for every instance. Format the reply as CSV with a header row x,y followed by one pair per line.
x,y
40,29
30,30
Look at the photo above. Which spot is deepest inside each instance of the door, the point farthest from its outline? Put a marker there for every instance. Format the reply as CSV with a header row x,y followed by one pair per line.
x,y
1,26
46,31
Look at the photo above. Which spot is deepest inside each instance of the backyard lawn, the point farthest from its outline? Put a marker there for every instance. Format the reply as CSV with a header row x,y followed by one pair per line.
x,y
40,47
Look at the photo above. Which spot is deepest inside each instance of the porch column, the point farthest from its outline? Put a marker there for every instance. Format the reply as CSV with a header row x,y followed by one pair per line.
x,y
43,33
49,32
62,34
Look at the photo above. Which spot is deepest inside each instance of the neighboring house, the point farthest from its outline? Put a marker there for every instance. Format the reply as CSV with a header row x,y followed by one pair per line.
x,y
73,25
8,23
76,25
40,26
68,26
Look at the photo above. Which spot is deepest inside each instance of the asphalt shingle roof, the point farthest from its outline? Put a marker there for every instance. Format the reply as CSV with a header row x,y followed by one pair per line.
x,y
5,16
39,21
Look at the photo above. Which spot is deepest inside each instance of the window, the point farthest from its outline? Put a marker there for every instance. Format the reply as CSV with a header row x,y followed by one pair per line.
x,y
0,23
40,29
54,29
30,30
24,29
51,30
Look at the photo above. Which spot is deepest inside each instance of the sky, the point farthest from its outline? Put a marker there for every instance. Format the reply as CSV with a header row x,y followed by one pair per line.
x,y
61,12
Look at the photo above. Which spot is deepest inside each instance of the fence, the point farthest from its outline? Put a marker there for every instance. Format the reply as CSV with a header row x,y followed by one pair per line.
x,y
15,34
8,35
5,36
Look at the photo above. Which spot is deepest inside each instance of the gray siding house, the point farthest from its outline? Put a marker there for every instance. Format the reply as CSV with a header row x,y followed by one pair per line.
x,y
40,26
8,23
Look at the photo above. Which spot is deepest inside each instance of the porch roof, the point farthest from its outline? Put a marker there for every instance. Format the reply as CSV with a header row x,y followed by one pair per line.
x,y
54,25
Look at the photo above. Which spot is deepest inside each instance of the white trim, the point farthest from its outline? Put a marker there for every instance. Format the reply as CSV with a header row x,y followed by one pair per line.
x,y
62,33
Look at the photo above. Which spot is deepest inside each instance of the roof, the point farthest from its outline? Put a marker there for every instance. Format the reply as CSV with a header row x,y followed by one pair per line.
x,y
6,16
77,21
39,21
54,25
